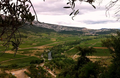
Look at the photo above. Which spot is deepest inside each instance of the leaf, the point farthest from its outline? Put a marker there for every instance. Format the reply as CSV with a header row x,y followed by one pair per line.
x,y
67,7
76,12
72,13
73,5
73,17
68,3
94,6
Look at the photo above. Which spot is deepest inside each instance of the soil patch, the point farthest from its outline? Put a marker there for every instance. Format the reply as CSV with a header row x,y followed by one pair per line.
x,y
100,47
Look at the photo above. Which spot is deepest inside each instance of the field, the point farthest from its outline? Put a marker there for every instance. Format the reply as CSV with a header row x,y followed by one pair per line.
x,y
19,60
36,45
33,41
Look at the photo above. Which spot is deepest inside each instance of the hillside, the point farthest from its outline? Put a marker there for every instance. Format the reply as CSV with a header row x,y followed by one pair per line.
x,y
74,30
38,43
58,27
35,29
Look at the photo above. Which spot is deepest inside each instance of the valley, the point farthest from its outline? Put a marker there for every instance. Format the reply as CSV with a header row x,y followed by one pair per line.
x,y
37,42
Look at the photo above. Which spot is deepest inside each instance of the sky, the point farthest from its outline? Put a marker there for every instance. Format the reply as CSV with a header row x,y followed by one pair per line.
x,y
52,11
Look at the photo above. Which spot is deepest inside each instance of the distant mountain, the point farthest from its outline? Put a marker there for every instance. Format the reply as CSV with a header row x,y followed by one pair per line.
x,y
74,30
47,28
35,29
59,28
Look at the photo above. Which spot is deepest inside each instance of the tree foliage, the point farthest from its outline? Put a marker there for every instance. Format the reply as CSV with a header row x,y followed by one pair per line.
x,y
83,53
113,44
71,4
14,14
84,68
112,4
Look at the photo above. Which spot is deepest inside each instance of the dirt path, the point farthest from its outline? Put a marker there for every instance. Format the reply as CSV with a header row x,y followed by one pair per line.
x,y
92,57
100,47
19,73
42,65
51,73
75,55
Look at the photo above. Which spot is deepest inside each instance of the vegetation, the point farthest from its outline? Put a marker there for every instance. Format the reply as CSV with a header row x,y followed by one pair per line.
x,y
10,21
61,64
63,49
37,72
5,75
7,61
65,56
113,45
83,68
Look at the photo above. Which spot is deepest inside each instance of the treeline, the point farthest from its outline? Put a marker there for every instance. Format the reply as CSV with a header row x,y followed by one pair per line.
x,y
71,32
35,29
108,32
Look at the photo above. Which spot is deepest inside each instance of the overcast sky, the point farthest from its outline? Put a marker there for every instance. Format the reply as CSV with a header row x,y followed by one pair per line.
x,y
52,11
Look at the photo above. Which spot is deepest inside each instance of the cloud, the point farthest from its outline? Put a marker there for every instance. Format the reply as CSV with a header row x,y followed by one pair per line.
x,y
52,11
51,7
99,22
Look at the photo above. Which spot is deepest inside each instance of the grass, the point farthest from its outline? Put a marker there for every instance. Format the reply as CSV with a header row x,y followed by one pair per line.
x,y
8,56
19,60
97,44
92,43
24,61
2,48
99,52
102,52
71,52
106,61
40,42
27,49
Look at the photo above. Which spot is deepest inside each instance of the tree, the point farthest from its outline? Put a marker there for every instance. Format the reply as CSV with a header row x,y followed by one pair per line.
x,y
113,44
90,70
13,16
84,67
83,53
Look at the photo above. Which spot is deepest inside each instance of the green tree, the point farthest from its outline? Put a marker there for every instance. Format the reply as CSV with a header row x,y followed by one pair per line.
x,y
84,68
113,44
13,15
83,53
90,70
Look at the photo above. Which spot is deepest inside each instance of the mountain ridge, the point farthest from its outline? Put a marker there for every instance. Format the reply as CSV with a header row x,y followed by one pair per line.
x,y
67,29
58,28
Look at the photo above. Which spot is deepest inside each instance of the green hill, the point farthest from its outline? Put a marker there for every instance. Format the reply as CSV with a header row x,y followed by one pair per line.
x,y
35,29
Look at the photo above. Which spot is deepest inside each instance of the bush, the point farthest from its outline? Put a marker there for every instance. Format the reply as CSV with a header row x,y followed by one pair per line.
x,y
36,61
